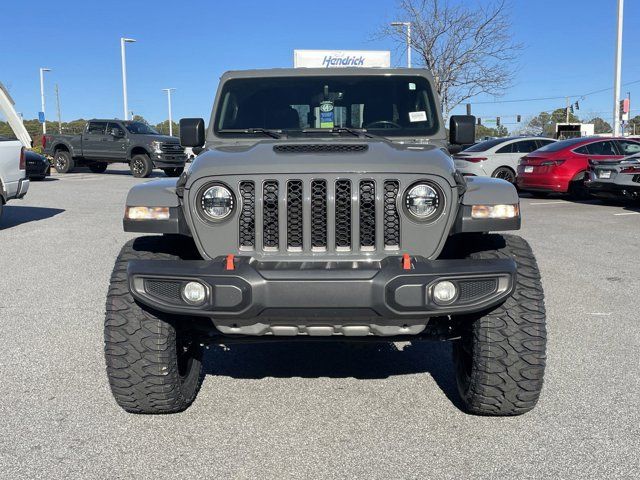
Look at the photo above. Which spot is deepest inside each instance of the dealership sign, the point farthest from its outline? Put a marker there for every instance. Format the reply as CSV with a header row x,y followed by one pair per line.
x,y
341,58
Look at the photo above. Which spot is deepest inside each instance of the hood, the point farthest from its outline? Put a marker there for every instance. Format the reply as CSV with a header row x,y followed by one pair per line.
x,y
323,156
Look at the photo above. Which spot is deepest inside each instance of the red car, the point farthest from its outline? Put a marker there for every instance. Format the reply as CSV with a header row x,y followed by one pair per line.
x,y
561,166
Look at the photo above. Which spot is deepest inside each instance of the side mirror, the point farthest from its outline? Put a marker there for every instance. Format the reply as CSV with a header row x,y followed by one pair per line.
x,y
462,129
192,132
117,133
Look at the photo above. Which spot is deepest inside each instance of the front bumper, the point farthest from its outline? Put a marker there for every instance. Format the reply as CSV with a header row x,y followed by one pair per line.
x,y
321,298
167,160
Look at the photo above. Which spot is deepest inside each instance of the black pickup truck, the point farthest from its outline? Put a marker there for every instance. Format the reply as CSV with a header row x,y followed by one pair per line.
x,y
111,141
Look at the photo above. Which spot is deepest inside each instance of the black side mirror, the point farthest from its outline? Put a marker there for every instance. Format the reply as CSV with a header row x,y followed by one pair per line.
x,y
192,132
462,129
117,133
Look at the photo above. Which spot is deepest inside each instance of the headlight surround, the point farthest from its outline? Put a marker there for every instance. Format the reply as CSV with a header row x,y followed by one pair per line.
x,y
156,146
423,201
216,202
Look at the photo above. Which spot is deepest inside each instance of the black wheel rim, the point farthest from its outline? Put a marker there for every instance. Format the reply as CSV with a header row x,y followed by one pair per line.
x,y
506,175
61,162
137,166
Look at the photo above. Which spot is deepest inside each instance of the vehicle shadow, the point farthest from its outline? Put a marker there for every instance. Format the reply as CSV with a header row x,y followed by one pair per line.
x,y
17,215
335,360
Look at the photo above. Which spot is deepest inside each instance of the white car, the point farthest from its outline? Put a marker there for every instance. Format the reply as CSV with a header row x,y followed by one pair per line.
x,y
13,181
497,158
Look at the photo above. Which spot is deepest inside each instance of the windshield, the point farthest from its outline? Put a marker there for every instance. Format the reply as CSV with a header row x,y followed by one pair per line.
x,y
141,128
388,105
561,145
486,145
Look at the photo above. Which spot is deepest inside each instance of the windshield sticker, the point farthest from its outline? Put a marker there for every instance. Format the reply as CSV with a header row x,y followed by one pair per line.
x,y
327,115
412,86
420,116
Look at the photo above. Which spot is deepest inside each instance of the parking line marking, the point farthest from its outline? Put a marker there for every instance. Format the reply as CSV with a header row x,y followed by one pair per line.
x,y
599,314
550,203
627,213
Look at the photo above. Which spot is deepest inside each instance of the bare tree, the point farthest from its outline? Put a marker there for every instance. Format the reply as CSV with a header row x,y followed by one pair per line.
x,y
469,49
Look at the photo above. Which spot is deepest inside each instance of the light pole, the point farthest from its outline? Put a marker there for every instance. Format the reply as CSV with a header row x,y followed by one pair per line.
x,y
408,25
169,90
618,72
124,73
44,123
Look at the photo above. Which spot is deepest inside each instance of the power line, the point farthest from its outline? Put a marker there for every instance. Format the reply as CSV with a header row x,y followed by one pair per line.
x,y
584,95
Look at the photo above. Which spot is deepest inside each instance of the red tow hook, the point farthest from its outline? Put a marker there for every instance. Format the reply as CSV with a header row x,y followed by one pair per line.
x,y
406,261
229,263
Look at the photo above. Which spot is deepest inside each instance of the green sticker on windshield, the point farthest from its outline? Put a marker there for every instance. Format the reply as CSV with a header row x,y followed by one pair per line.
x,y
326,115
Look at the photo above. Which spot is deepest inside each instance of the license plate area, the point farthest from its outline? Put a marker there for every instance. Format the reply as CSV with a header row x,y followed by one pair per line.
x,y
604,174
528,169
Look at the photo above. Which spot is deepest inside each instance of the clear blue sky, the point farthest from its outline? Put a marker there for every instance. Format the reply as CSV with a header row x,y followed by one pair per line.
x,y
569,47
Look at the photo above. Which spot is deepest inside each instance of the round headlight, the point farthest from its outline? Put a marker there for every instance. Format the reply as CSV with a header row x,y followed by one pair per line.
x,y
216,202
423,201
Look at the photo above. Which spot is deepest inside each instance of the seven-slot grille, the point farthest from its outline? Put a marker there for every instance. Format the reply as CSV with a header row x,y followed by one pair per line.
x,y
337,214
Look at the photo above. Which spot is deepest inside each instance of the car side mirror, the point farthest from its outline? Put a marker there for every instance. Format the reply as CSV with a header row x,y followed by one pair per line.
x,y
192,132
462,129
117,133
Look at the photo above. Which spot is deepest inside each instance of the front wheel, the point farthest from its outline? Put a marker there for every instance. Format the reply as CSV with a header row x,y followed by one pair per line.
x,y
173,172
501,355
141,166
154,363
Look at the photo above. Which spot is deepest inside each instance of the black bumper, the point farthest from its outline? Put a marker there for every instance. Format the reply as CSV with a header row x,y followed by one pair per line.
x,y
165,160
321,289
610,189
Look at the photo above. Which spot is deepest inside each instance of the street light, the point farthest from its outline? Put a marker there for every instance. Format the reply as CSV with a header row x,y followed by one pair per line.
x,y
124,73
618,71
44,123
169,90
408,25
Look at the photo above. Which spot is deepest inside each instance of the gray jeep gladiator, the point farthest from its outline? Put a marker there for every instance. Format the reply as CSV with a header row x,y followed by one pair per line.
x,y
115,141
324,206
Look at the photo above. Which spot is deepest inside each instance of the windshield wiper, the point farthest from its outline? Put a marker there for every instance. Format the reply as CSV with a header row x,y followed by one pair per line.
x,y
356,132
266,131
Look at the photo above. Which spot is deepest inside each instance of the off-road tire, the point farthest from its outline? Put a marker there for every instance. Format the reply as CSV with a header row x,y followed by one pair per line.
x,y
98,167
141,345
505,173
500,358
173,172
63,161
141,166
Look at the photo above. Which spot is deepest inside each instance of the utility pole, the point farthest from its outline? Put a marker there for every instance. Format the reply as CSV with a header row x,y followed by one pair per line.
x,y
124,73
168,90
618,71
58,105
44,122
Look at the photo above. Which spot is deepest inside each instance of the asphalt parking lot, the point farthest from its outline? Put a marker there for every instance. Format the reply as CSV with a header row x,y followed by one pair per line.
x,y
310,410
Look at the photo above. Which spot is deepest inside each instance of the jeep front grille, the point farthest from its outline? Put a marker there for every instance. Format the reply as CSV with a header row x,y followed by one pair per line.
x,y
315,215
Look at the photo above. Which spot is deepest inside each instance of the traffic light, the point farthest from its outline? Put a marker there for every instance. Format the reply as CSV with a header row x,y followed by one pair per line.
x,y
479,121
518,118
497,121
577,106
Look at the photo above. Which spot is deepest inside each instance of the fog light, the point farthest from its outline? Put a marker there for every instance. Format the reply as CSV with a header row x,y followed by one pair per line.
x,y
444,292
194,293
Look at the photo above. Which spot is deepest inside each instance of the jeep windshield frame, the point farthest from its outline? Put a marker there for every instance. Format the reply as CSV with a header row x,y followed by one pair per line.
x,y
299,106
